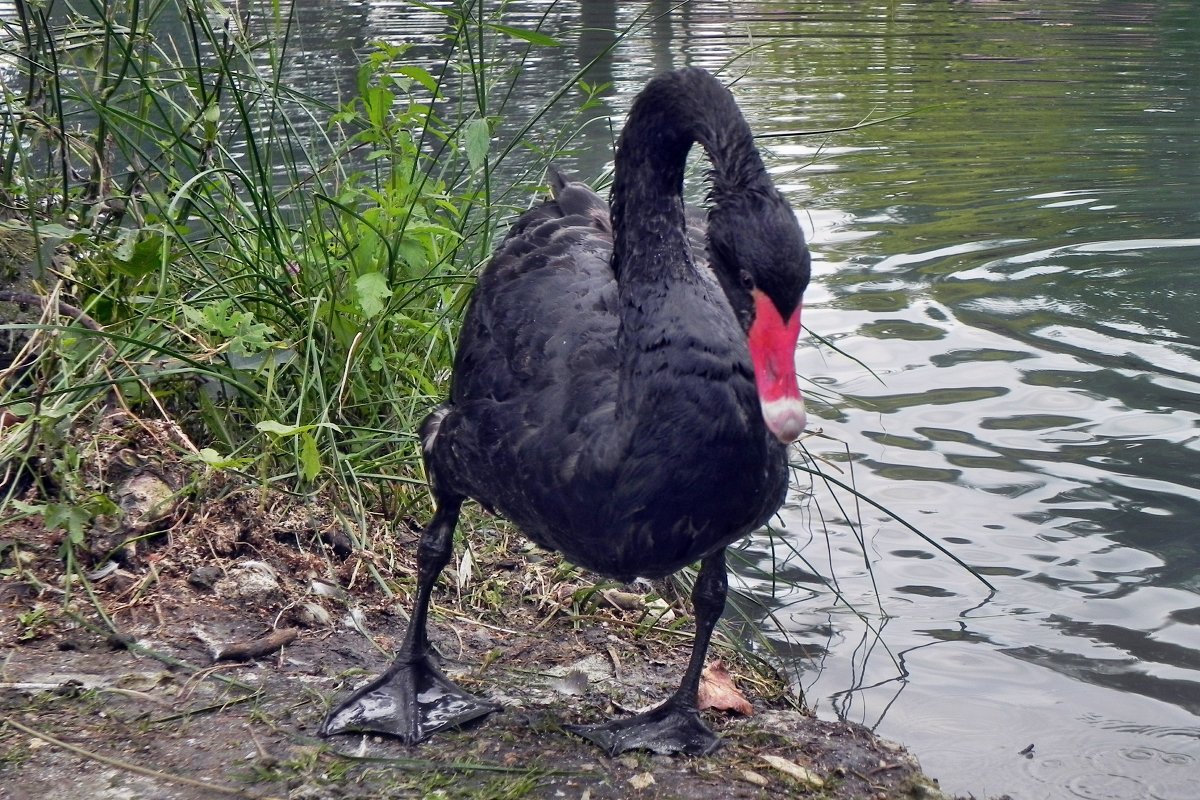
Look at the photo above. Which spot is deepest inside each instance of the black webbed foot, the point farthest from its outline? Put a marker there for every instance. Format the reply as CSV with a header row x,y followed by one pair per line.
x,y
667,729
411,701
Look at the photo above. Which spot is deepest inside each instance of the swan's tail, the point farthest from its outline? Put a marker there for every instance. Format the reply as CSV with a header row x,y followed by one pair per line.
x,y
574,197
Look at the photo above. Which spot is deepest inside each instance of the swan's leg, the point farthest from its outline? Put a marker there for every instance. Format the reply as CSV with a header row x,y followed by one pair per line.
x,y
674,726
413,699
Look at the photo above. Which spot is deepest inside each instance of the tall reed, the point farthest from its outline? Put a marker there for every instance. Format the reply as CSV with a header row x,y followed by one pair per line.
x,y
278,273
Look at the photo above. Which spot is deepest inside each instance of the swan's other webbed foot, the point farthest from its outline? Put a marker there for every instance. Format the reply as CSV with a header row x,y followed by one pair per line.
x,y
667,729
411,701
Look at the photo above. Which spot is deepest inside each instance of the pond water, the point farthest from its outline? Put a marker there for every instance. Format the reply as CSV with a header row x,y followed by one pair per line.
x,y
1017,263
1015,270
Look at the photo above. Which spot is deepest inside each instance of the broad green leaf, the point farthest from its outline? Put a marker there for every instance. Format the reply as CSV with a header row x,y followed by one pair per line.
x,y
125,244
217,461
413,253
140,255
419,75
195,316
244,334
55,411
431,227
378,102
211,457
373,293
478,138
68,517
310,456
276,428
51,230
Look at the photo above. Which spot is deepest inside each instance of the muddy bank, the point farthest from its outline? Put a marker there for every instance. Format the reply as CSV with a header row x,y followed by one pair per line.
x,y
90,718
131,684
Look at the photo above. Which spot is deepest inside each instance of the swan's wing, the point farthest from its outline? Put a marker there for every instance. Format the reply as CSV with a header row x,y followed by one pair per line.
x,y
544,313
534,385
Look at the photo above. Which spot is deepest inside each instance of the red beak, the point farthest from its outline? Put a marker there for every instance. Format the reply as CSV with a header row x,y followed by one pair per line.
x,y
773,351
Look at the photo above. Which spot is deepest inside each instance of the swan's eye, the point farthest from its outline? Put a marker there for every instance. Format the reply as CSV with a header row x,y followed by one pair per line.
x,y
747,281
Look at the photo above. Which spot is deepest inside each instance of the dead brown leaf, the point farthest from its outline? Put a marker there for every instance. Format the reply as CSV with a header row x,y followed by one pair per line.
x,y
717,691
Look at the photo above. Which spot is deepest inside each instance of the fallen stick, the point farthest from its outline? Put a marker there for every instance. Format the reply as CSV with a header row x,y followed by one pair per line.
x,y
255,648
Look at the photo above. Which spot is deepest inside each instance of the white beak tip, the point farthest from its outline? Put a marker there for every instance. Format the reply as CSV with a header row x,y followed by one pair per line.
x,y
786,419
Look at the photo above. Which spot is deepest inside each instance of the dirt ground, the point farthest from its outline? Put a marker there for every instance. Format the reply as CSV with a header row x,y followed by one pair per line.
x,y
142,708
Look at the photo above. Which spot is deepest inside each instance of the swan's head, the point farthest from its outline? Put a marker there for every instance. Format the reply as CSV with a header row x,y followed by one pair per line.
x,y
773,351
758,246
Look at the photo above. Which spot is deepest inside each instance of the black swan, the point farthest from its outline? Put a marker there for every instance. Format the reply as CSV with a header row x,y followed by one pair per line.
x,y
624,391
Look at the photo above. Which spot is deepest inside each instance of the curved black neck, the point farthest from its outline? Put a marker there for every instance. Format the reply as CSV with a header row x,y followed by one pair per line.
x,y
671,113
684,356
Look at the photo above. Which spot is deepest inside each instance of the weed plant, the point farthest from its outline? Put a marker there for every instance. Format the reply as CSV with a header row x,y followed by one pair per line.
x,y
278,274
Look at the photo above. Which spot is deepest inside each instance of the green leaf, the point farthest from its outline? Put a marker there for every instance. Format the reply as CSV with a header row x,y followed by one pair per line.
x,y
533,37
56,231
212,457
22,410
413,253
125,244
217,461
478,139
195,316
28,508
419,75
373,293
310,456
276,428
139,255
245,335
55,412
378,102
68,517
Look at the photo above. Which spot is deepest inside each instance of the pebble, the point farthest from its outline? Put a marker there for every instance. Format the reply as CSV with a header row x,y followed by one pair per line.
x,y
750,776
642,781
250,581
204,577
802,775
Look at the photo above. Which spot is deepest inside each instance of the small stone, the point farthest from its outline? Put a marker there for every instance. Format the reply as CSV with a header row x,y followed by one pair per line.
x,y
312,615
204,577
250,581
626,601
145,499
661,611
750,776
323,588
643,781
802,775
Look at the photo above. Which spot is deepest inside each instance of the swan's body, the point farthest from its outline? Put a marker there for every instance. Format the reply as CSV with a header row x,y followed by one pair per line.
x,y
605,398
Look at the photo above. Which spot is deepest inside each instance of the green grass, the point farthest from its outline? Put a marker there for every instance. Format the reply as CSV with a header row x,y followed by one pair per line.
x,y
279,276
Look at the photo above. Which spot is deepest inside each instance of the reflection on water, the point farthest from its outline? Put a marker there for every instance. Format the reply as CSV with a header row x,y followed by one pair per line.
x,y
1017,265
